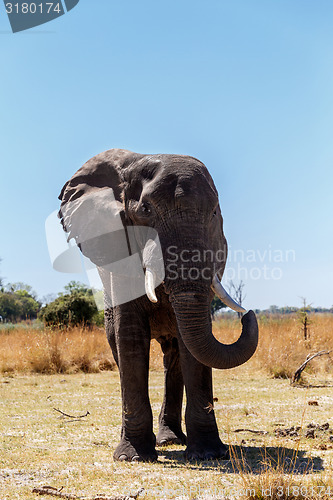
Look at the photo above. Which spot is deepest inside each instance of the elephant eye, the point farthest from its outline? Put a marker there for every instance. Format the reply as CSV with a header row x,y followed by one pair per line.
x,y
145,208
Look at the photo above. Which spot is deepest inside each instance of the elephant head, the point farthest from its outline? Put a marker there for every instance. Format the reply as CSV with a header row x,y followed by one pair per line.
x,y
175,197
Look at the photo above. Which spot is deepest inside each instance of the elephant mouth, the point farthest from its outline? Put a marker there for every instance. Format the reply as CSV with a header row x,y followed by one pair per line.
x,y
191,301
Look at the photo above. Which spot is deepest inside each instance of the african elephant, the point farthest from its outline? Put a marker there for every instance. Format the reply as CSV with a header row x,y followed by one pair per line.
x,y
176,197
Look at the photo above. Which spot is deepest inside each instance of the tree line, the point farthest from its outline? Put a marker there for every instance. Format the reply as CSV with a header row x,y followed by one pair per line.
x,y
76,305
292,310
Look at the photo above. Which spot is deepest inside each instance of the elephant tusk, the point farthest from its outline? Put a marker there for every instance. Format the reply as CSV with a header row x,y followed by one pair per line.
x,y
150,285
224,296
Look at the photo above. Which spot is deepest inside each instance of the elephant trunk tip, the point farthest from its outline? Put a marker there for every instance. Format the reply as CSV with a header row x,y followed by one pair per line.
x,y
250,324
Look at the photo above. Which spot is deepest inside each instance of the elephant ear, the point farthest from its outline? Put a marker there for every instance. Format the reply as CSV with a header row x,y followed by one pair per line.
x,y
91,202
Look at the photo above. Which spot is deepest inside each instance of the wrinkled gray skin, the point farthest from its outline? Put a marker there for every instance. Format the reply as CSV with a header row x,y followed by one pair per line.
x,y
176,196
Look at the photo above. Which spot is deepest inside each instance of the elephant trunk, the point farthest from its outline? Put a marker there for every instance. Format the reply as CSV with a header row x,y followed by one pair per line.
x,y
192,312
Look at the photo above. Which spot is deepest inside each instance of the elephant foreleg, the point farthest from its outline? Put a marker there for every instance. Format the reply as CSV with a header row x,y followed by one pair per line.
x,y
203,441
132,336
111,334
170,429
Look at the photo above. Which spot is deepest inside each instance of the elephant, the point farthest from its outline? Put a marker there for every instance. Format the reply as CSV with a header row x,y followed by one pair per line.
x,y
174,197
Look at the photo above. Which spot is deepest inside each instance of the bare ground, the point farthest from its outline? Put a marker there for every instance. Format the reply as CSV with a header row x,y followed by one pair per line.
x,y
280,438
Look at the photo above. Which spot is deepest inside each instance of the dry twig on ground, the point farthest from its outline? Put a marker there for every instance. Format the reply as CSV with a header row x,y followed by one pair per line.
x,y
57,492
298,372
71,416
251,430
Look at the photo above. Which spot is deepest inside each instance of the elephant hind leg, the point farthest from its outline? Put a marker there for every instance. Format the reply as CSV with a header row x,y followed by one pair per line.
x,y
203,441
170,429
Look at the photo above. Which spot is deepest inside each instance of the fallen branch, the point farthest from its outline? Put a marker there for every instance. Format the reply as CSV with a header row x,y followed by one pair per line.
x,y
251,430
55,492
298,372
71,416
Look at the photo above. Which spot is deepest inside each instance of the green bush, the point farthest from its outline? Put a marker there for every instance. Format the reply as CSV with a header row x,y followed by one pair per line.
x,y
98,318
71,309
216,306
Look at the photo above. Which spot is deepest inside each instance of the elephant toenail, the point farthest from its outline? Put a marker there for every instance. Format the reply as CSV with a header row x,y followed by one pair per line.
x,y
122,458
136,458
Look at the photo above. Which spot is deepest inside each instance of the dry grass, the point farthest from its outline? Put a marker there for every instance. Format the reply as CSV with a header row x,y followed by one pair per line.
x,y
39,447
281,347
33,350
253,403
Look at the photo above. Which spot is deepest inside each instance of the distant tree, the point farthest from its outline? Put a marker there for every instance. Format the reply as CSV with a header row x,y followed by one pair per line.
x,y
77,287
20,286
18,306
303,317
30,306
73,308
10,307
216,306
236,291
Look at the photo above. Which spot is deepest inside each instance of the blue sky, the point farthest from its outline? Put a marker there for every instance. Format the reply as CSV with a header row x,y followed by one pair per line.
x,y
243,85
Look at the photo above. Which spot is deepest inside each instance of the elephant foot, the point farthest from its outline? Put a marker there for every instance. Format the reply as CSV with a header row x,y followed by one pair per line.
x,y
135,452
166,436
196,453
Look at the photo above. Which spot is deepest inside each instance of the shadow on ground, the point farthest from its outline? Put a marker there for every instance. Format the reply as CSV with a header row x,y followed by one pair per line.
x,y
250,459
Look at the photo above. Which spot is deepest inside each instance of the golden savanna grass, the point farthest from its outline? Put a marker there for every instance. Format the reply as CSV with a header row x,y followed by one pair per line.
x,y
40,447
34,350
281,349
252,404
